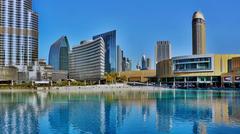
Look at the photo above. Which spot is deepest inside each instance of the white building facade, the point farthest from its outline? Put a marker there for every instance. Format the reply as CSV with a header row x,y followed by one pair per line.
x,y
87,60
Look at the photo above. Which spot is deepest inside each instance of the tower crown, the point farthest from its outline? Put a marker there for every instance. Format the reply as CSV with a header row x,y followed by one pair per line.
x,y
198,15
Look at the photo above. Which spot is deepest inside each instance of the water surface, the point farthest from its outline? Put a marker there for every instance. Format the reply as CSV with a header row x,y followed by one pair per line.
x,y
160,112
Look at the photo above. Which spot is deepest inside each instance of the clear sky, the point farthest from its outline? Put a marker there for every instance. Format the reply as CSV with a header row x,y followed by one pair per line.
x,y
140,23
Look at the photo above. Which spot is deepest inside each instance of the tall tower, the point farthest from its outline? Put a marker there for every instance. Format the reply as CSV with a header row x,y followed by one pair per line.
x,y
18,33
163,51
119,59
198,34
59,54
144,62
111,47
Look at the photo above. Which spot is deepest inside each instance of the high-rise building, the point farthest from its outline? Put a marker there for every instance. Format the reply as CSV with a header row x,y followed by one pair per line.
x,y
198,34
126,64
149,62
87,60
163,51
119,59
138,66
18,33
130,65
111,47
144,62
59,54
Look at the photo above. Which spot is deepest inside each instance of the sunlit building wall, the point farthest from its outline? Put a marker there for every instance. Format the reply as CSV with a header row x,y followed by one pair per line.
x,y
163,51
18,33
87,60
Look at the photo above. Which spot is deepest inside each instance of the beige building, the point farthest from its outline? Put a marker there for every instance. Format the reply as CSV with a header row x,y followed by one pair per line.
x,y
139,76
163,51
194,70
8,73
232,78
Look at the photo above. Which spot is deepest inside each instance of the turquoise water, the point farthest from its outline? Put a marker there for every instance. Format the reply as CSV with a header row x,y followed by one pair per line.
x,y
160,112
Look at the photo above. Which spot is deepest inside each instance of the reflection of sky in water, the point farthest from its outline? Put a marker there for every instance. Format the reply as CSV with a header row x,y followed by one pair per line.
x,y
162,112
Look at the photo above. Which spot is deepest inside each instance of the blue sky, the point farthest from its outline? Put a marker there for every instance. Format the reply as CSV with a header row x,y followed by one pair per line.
x,y
140,23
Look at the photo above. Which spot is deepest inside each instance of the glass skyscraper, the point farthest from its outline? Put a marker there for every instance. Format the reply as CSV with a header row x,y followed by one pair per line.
x,y
144,62
18,33
111,48
59,54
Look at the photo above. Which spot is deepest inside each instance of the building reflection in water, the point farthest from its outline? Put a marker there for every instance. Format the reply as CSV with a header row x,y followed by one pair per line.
x,y
19,113
107,113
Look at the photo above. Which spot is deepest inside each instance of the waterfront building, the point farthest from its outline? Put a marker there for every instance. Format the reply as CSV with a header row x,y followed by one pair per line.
x,y
87,60
144,62
163,51
232,78
59,54
40,71
59,75
198,34
235,64
18,33
139,75
8,74
194,70
110,53
119,59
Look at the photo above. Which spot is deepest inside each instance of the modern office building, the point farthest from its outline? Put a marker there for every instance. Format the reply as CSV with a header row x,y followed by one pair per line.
x,y
163,51
18,33
87,60
111,47
194,70
144,62
149,62
198,34
126,64
119,59
59,54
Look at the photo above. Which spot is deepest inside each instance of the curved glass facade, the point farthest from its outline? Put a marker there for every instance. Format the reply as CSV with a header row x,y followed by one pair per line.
x,y
111,50
87,61
59,54
18,33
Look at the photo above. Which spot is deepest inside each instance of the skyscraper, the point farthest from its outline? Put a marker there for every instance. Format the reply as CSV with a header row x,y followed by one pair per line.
x,y
126,64
119,59
144,62
18,33
87,60
163,51
59,54
198,34
111,47
149,62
